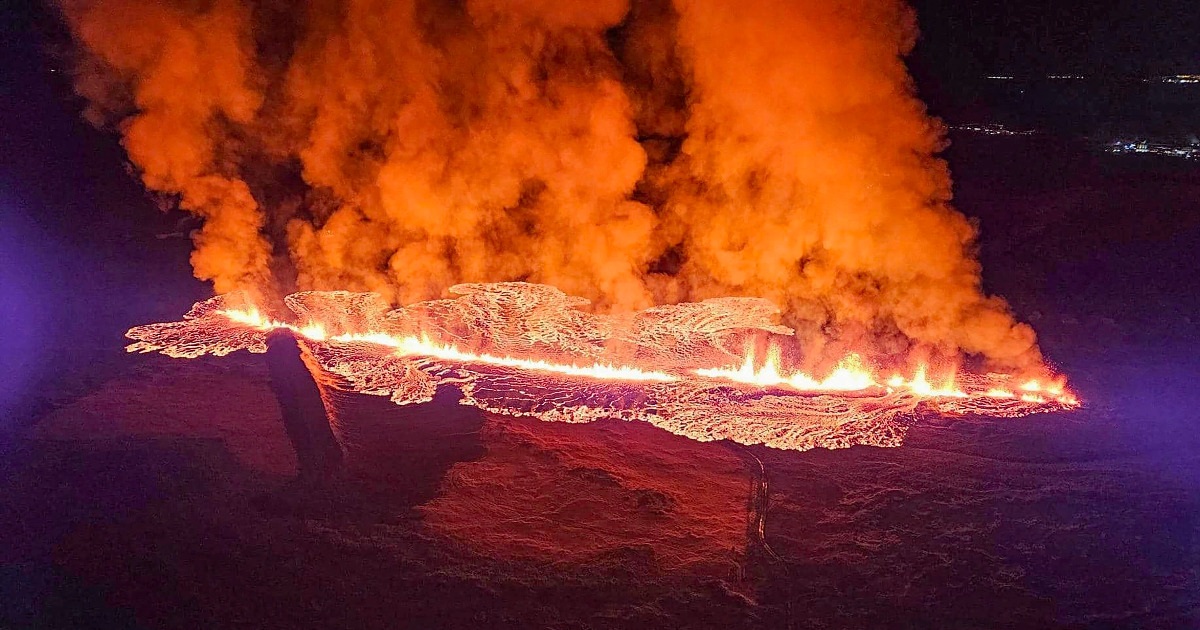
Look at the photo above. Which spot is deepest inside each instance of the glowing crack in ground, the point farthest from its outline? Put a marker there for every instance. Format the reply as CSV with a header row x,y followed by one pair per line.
x,y
526,349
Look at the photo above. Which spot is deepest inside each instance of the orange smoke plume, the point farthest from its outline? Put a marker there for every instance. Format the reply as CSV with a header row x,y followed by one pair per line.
x,y
633,153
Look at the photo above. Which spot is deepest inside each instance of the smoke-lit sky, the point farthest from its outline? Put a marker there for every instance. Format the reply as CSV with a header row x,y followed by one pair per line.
x,y
960,40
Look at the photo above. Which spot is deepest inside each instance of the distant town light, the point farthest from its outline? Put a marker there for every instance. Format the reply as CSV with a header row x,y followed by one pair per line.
x,y
1189,151
991,129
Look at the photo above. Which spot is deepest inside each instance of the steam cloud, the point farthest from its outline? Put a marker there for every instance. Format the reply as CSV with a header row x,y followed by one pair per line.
x,y
632,152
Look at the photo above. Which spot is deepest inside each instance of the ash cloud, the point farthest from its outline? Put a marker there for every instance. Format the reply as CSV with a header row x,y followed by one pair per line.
x,y
636,153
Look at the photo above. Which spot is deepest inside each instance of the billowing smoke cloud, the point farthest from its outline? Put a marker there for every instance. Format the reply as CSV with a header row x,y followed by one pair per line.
x,y
631,153
180,82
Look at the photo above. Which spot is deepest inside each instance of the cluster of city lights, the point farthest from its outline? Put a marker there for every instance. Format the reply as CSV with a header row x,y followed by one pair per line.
x,y
1187,151
991,129
1170,78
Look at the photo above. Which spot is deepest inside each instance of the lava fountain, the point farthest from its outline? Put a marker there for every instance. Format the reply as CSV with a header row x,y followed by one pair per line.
x,y
526,350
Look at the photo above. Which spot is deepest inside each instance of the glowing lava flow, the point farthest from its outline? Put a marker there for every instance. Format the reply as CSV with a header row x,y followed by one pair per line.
x,y
424,347
534,353
850,375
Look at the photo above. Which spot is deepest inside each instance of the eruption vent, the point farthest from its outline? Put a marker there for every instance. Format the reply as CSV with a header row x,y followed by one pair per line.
x,y
634,153
525,349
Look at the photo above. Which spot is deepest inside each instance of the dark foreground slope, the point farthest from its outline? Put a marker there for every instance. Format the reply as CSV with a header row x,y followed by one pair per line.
x,y
159,498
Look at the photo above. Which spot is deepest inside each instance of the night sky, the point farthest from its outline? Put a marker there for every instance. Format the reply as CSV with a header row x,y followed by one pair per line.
x,y
968,38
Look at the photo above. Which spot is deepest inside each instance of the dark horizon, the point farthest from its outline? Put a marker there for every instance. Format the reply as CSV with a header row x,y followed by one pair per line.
x,y
1031,38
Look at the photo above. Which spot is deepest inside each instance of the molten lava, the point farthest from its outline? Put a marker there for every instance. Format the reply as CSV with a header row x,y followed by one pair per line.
x,y
423,346
525,349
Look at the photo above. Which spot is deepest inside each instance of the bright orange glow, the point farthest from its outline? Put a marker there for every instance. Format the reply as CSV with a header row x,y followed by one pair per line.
x,y
852,375
423,346
849,375
920,386
669,366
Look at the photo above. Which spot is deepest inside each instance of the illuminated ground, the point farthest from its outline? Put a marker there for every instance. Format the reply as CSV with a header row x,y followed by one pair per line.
x,y
177,515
